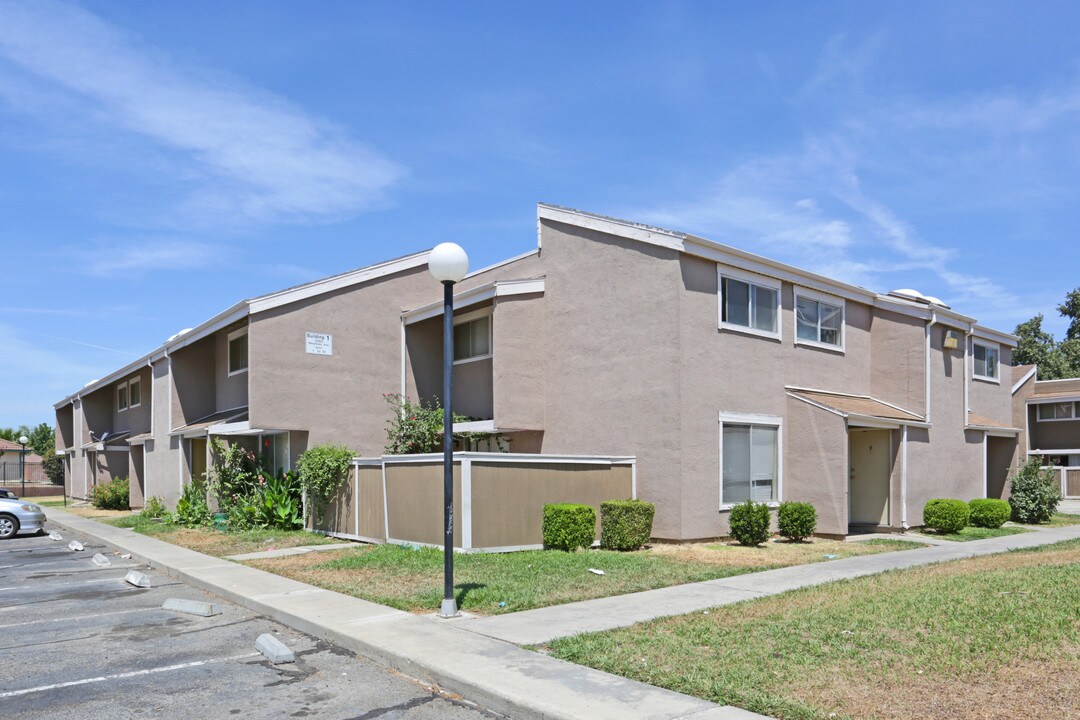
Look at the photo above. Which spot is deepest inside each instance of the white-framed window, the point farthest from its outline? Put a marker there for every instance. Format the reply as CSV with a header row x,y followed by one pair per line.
x,y
238,351
122,397
749,303
134,393
1049,412
751,458
985,361
472,336
819,319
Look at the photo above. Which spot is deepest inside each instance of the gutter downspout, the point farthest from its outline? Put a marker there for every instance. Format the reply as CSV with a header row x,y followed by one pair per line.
x,y
930,324
903,478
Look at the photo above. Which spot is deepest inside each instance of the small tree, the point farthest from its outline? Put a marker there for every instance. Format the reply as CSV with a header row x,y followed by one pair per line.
x,y
416,428
53,466
1034,493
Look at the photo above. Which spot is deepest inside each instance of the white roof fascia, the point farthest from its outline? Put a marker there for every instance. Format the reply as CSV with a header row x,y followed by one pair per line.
x,y
1002,338
869,421
236,428
903,307
337,282
1037,400
501,263
1072,379
764,266
475,426
994,430
475,296
222,320
1020,383
611,226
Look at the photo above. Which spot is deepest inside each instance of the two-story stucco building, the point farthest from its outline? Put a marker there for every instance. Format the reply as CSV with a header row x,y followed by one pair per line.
x,y
728,375
1048,414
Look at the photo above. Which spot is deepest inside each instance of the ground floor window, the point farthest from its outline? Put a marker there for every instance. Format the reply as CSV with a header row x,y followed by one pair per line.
x,y
749,459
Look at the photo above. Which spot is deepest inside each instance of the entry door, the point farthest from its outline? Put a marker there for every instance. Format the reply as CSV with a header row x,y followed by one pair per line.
x,y
868,489
198,457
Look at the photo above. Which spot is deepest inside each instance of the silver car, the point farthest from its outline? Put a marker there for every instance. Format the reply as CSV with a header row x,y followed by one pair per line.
x,y
20,516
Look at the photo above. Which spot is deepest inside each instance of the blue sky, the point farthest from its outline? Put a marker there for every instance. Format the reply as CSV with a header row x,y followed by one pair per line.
x,y
160,161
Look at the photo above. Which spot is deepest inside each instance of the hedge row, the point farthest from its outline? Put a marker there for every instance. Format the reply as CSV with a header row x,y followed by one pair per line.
x,y
624,525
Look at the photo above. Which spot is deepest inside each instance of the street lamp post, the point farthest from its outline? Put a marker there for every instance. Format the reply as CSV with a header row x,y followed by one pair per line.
x,y
22,462
448,263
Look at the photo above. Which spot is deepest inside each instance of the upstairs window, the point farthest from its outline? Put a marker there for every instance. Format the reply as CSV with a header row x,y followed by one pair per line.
x,y
238,351
134,393
819,320
1057,411
472,339
122,397
745,303
986,362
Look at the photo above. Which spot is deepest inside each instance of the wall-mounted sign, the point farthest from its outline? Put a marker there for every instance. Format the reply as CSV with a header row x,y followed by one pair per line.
x,y
319,343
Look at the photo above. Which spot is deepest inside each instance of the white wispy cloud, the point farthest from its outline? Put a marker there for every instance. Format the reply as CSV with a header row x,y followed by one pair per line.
x,y
135,256
246,154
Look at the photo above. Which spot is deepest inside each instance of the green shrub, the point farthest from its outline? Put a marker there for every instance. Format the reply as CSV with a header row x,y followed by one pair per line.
x,y
625,524
796,521
192,509
323,469
569,527
750,523
112,495
1034,493
946,515
989,513
154,508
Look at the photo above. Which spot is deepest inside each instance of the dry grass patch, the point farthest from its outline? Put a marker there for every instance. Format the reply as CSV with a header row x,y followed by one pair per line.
x,y
989,637
93,513
779,553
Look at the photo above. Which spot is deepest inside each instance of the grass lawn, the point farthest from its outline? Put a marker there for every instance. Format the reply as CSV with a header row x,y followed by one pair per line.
x,y
989,637
215,542
978,533
411,579
1060,520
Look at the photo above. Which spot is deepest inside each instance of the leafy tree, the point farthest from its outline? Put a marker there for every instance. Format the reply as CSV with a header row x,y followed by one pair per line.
x,y
42,440
1071,309
1038,347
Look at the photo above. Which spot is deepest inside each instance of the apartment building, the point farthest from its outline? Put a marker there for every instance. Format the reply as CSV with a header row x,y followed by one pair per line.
x,y
726,374
1048,413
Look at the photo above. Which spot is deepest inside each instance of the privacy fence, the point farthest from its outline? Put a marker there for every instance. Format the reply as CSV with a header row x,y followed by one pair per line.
x,y
1069,478
499,498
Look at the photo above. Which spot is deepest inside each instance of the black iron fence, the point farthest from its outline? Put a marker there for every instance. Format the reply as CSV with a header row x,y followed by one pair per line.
x,y
11,473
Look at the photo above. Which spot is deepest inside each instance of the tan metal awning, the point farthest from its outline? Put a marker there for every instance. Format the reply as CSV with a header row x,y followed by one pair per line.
x,y
203,424
860,410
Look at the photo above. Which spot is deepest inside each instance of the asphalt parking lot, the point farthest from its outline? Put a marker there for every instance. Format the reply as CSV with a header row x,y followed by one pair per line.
x,y
76,641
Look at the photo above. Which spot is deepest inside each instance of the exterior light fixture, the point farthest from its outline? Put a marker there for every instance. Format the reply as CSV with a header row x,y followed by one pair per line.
x,y
448,264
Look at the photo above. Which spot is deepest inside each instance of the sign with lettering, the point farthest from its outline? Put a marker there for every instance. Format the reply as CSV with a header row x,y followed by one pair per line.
x,y
319,344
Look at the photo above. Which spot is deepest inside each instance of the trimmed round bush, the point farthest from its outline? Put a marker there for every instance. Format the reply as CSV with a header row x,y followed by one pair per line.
x,y
989,513
796,521
749,523
1034,493
625,524
946,515
569,527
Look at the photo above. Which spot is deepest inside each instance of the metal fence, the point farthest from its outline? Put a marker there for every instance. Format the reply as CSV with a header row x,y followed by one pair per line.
x,y
11,473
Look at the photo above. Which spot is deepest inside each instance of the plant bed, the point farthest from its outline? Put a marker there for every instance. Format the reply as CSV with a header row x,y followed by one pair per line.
x,y
988,637
411,579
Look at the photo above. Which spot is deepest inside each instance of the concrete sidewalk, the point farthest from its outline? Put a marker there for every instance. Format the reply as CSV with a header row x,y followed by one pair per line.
x,y
533,627
493,673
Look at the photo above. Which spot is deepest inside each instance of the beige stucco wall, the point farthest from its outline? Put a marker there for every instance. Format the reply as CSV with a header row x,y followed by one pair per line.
x,y
898,360
194,382
1019,418
161,455
229,391
993,399
816,463
520,366
1053,435
65,427
946,461
135,419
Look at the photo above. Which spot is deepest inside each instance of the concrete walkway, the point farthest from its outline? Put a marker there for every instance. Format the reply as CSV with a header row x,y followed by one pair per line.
x,y
492,673
533,627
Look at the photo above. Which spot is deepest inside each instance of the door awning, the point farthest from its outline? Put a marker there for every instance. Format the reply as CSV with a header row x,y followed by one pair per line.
x,y
859,410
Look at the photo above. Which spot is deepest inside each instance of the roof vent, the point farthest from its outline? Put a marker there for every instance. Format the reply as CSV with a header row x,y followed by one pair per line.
x,y
909,294
185,331
935,301
91,382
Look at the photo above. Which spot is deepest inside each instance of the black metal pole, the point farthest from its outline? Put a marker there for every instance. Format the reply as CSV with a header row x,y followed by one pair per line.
x,y
449,603
22,468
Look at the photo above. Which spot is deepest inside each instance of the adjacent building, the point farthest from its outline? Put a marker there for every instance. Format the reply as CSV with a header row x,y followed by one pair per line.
x,y
1048,413
726,374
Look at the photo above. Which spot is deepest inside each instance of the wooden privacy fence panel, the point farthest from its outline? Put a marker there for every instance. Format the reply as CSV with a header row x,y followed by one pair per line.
x,y
498,497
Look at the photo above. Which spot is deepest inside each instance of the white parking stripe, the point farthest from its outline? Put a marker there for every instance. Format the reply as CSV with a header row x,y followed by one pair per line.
x,y
53,585
78,617
121,676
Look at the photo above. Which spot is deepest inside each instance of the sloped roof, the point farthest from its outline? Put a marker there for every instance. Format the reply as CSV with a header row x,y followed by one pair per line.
x,y
849,404
234,415
6,445
980,421
1019,371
